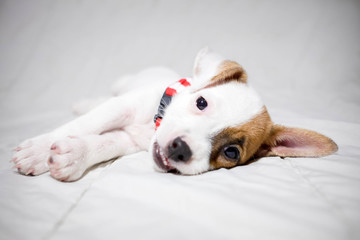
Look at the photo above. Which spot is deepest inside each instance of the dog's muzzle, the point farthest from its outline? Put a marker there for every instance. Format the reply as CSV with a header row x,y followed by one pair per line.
x,y
178,151
160,159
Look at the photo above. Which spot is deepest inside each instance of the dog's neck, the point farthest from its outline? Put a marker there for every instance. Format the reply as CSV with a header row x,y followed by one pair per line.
x,y
165,101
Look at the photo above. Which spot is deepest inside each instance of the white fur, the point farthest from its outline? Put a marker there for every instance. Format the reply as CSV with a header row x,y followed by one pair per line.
x,y
124,124
183,119
119,126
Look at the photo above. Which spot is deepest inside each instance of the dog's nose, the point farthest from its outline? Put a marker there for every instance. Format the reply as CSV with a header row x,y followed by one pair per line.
x,y
179,151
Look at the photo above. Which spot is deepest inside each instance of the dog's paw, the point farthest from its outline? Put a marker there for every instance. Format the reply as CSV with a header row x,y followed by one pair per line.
x,y
68,159
30,157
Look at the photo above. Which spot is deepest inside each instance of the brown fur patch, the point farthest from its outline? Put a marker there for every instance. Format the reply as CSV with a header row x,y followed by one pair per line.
x,y
247,137
230,70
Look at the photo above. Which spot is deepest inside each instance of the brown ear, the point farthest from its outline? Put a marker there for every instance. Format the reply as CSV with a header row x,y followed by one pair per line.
x,y
296,142
230,71
212,69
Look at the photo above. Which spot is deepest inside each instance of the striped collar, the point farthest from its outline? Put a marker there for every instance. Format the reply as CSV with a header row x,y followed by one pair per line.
x,y
170,91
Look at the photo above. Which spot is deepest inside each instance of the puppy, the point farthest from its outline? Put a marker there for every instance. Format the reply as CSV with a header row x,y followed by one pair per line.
x,y
210,121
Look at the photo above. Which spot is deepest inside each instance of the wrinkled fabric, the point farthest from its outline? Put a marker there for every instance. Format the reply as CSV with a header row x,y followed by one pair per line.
x,y
301,56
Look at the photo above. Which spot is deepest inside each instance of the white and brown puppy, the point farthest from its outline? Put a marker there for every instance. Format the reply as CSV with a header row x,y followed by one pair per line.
x,y
215,121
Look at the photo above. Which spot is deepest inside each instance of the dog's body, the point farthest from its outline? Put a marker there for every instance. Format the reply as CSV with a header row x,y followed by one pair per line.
x,y
216,121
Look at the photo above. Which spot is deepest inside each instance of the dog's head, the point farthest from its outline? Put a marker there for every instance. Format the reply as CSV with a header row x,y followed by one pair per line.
x,y
221,122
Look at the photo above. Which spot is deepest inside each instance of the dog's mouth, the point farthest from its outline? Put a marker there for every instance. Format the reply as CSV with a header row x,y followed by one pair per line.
x,y
161,160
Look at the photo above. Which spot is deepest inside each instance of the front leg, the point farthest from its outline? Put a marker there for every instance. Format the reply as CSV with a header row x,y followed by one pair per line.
x,y
31,157
71,156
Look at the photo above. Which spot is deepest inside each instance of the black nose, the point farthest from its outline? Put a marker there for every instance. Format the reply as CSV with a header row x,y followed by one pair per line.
x,y
179,151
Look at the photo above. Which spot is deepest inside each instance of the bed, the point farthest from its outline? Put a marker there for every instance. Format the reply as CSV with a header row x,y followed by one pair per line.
x,y
305,68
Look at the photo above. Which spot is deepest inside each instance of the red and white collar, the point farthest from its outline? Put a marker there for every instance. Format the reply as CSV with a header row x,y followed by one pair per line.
x,y
170,91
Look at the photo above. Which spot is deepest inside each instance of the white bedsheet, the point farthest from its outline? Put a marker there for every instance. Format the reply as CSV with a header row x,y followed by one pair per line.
x,y
302,56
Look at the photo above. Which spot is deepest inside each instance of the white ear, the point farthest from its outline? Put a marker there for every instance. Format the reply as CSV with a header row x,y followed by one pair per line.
x,y
207,64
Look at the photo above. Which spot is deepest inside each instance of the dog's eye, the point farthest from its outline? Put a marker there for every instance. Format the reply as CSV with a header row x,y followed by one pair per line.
x,y
231,153
201,103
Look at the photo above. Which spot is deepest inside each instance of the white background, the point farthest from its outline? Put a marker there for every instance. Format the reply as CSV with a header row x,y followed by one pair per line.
x,y
303,57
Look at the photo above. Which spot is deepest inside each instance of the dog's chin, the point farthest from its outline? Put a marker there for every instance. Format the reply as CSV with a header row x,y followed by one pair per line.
x,y
161,161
